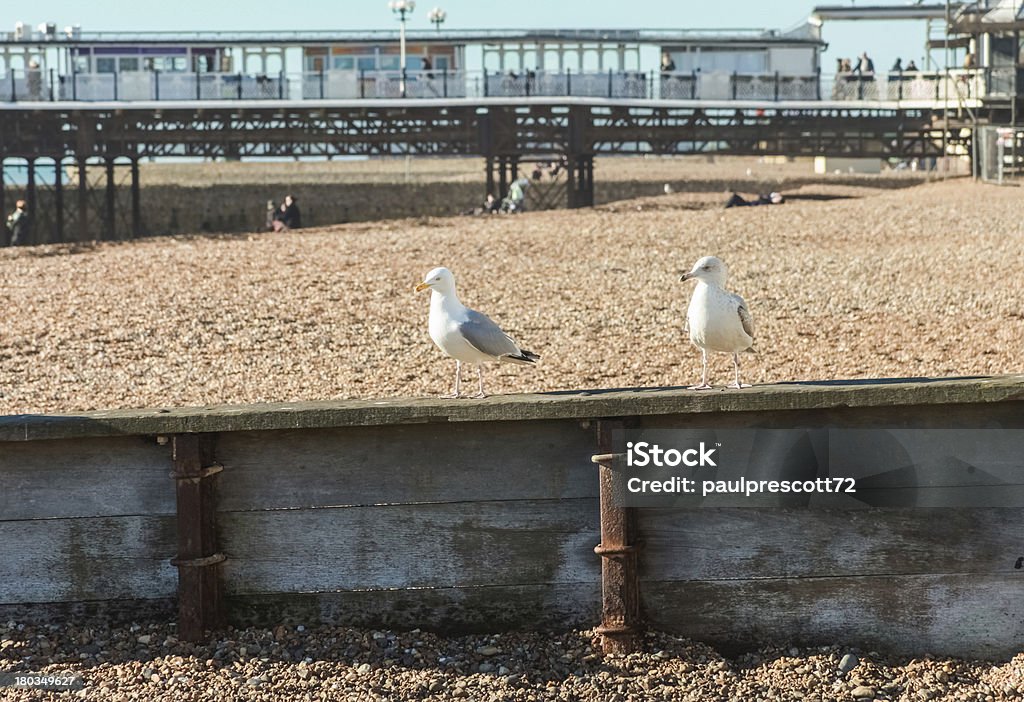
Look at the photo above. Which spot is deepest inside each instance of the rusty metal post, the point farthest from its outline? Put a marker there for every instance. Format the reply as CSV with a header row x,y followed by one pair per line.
x,y
198,561
621,627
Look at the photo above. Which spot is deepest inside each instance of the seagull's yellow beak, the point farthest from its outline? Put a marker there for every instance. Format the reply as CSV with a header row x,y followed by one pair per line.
x,y
422,286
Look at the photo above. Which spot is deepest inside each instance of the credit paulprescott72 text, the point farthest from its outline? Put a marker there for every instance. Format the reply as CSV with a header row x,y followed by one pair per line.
x,y
742,486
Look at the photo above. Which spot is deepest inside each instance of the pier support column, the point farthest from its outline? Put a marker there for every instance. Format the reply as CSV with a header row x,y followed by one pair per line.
x,y
581,181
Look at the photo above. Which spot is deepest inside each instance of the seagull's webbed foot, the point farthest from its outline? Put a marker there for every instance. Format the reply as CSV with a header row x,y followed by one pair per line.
x,y
702,386
478,396
738,386
452,396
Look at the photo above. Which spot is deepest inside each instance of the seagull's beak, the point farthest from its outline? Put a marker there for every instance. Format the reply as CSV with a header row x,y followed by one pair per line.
x,y
422,286
685,276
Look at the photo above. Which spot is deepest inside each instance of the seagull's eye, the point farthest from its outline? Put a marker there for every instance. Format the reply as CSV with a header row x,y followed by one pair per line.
x,y
707,268
437,279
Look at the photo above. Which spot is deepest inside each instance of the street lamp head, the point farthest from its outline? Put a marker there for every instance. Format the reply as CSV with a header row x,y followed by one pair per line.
x,y
437,16
402,6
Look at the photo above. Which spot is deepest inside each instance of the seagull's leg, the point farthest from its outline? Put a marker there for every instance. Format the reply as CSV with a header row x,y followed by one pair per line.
x,y
458,381
480,372
736,362
704,377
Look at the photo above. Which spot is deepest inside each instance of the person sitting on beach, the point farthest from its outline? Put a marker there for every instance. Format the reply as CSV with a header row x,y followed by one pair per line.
x,y
514,201
18,224
491,206
770,199
288,216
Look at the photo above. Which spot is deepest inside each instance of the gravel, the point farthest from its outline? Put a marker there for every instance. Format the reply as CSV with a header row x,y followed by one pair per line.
x,y
858,283
343,663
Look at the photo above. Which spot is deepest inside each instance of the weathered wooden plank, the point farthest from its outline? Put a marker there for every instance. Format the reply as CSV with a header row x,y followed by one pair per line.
x,y
85,478
97,558
956,615
458,610
119,612
950,456
887,467
583,404
734,544
403,546
372,465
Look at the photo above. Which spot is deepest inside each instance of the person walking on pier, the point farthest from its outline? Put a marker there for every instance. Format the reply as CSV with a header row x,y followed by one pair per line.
x,y
667,64
865,66
18,224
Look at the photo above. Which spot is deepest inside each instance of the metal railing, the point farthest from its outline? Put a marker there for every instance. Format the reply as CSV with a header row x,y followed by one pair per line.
x,y
916,85
31,85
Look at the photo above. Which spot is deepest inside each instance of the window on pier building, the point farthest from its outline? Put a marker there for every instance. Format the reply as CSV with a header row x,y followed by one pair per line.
x,y
712,59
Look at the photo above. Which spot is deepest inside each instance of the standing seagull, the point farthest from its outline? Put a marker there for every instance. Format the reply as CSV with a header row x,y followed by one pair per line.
x,y
718,319
464,334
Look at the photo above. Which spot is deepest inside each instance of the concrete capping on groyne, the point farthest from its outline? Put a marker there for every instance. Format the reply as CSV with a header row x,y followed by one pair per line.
x,y
578,404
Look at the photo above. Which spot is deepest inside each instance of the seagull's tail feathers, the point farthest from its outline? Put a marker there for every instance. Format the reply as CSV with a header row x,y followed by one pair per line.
x,y
751,349
524,358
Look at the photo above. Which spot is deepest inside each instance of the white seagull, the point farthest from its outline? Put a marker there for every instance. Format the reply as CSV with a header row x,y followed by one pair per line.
x,y
718,319
464,334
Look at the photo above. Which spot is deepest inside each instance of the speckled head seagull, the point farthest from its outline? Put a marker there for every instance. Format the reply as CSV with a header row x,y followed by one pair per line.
x,y
464,334
718,319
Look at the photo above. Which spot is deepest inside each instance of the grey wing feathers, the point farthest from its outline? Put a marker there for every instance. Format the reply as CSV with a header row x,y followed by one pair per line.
x,y
746,319
486,336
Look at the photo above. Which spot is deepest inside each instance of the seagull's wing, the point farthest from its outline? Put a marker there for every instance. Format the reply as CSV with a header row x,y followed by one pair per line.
x,y
487,337
746,319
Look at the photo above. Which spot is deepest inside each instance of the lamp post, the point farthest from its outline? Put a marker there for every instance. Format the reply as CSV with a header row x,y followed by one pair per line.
x,y
402,8
437,16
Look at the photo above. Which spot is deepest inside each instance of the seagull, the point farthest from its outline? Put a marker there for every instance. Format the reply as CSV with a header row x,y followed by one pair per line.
x,y
466,335
718,319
